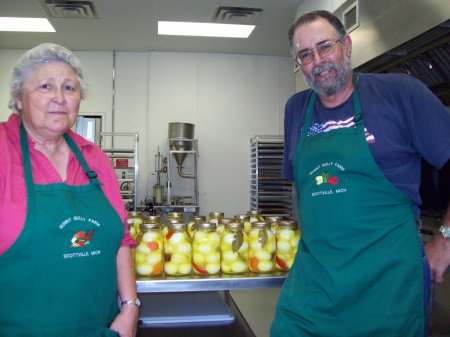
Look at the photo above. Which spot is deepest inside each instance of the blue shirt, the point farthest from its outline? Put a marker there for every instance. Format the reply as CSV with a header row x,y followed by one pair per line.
x,y
404,122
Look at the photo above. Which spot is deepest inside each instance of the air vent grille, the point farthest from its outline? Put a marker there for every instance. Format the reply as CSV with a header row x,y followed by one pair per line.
x,y
237,15
70,9
350,17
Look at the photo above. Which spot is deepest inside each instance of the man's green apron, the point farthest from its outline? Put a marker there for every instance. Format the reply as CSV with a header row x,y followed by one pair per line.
x,y
59,278
358,270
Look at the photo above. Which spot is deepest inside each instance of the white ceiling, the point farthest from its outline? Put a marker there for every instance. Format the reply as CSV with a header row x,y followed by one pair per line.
x,y
131,25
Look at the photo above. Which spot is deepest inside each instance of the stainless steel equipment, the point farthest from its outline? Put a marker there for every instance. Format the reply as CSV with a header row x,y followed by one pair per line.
x,y
182,187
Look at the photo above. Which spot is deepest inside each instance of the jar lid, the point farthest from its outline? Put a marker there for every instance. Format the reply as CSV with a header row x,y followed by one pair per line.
x,y
273,218
206,225
260,224
234,225
176,225
153,225
215,215
242,217
254,212
134,213
198,218
151,218
224,221
288,223
174,215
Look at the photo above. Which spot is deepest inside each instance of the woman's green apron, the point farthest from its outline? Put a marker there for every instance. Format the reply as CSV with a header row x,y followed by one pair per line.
x,y
59,278
358,270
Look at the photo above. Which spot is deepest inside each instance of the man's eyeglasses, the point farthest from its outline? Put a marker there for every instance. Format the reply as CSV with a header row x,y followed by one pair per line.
x,y
325,48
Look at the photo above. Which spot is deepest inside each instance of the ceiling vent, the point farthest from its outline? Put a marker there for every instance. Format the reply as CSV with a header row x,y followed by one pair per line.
x,y
237,15
350,17
70,9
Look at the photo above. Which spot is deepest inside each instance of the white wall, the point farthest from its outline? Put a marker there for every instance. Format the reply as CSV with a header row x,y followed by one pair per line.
x,y
228,97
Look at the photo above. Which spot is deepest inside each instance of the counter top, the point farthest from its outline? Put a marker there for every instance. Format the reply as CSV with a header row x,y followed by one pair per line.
x,y
209,283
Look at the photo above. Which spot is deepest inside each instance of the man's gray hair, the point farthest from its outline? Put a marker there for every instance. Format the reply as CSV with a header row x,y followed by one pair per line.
x,y
43,53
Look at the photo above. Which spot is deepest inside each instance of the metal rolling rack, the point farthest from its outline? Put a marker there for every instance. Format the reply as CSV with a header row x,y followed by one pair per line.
x,y
129,196
269,191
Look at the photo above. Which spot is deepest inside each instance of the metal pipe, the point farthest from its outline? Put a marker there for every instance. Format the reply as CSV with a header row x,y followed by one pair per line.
x,y
184,175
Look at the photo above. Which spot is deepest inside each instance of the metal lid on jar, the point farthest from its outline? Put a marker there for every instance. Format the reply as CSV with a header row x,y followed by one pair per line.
x,y
175,225
206,225
273,218
134,213
234,225
288,223
216,215
242,217
260,224
175,215
198,218
224,221
254,212
148,225
151,219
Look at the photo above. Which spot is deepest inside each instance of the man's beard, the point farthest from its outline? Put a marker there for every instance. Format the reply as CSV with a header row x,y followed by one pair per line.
x,y
333,85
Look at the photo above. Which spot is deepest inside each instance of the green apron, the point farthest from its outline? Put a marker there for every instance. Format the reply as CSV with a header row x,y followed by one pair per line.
x,y
59,278
358,271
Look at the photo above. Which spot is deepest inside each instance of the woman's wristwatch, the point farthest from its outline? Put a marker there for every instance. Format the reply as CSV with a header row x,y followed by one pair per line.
x,y
445,231
136,302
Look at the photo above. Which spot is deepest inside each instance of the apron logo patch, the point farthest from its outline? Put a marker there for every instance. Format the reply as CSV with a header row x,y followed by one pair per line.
x,y
325,178
81,239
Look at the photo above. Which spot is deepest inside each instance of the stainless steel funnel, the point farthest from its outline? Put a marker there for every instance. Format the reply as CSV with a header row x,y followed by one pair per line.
x,y
181,138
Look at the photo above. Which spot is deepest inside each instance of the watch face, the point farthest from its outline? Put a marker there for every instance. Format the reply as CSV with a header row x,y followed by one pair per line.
x,y
445,230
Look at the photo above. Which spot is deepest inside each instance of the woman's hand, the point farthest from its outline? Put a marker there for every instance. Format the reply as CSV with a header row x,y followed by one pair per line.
x,y
126,321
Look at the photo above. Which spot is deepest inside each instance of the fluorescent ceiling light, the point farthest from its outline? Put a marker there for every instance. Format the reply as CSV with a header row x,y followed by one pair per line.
x,y
204,29
9,24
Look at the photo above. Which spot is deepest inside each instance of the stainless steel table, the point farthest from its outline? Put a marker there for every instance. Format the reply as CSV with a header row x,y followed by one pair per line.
x,y
199,306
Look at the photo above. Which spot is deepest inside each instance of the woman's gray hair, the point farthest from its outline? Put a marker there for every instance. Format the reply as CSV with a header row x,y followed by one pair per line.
x,y
43,53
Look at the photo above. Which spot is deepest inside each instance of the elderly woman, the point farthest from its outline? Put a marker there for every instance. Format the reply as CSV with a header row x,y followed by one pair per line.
x,y
64,247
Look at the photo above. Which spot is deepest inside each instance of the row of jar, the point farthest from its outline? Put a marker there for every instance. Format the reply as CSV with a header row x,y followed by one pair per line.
x,y
207,252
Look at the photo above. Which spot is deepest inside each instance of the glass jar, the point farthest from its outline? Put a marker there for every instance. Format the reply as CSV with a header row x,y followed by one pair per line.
x,y
254,215
287,236
177,250
134,220
221,224
148,256
234,248
262,248
206,249
193,223
273,221
214,217
245,219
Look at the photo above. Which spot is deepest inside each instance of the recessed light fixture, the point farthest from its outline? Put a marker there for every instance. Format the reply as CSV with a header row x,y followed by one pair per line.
x,y
10,24
204,29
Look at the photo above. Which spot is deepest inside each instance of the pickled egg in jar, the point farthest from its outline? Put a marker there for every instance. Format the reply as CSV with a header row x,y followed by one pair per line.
x,y
206,249
234,248
245,219
254,215
262,248
148,255
193,223
287,236
177,250
134,220
214,217
273,221
221,224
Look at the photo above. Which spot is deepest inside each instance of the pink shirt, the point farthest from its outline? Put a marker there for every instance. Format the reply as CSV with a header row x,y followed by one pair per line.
x,y
13,194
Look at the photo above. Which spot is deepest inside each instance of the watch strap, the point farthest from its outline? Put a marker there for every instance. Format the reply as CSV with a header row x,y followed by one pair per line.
x,y
136,302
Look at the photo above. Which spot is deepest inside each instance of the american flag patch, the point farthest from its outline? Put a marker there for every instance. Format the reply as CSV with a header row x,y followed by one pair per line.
x,y
317,128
